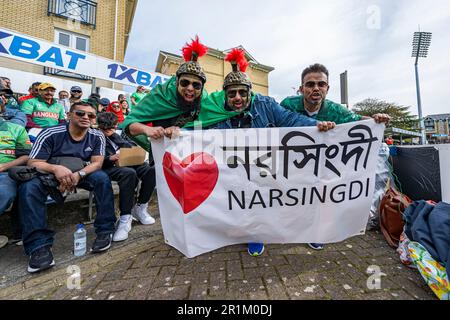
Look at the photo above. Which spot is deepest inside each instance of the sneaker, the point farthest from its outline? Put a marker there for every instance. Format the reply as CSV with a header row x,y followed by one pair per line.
x,y
41,259
141,214
123,228
102,243
255,249
316,246
3,241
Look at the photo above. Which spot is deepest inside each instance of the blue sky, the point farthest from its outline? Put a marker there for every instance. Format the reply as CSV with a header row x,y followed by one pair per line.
x,y
369,39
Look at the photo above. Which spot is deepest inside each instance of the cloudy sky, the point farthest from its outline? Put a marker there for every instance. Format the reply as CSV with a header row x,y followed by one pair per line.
x,y
370,39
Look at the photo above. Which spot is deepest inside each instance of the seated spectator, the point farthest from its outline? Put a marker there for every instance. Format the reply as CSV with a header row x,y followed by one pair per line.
x,y
12,102
75,139
114,107
137,96
127,178
9,113
75,94
63,99
43,111
33,92
125,107
14,149
104,103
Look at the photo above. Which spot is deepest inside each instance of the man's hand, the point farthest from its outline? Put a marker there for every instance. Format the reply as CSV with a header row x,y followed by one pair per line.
x,y
2,167
172,132
65,177
381,118
114,157
325,125
3,100
155,132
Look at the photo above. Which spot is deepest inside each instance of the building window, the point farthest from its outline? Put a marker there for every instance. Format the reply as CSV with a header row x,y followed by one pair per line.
x,y
84,11
72,40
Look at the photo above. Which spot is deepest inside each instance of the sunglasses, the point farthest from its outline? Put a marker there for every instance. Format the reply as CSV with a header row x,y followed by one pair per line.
x,y
76,91
195,84
116,105
81,114
242,92
312,84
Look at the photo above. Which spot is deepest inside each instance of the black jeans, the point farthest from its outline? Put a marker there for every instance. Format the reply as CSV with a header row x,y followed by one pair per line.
x,y
128,179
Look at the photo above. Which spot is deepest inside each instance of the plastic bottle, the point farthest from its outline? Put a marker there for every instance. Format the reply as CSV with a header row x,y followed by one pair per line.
x,y
79,241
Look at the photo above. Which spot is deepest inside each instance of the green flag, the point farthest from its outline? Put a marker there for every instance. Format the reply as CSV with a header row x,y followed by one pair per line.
x,y
161,103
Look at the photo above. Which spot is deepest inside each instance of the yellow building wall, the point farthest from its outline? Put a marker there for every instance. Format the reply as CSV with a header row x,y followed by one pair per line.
x,y
16,15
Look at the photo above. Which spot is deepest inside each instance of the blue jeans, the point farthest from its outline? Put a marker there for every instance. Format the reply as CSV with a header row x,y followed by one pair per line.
x,y
33,213
8,191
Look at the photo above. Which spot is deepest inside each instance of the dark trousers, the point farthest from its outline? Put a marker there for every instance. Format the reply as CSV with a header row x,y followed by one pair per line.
x,y
32,208
128,179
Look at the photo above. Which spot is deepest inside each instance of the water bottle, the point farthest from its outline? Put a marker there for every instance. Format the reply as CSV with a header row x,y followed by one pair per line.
x,y
79,241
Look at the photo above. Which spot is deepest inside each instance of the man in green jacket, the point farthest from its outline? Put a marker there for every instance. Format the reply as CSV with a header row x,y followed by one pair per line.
x,y
177,103
43,111
313,103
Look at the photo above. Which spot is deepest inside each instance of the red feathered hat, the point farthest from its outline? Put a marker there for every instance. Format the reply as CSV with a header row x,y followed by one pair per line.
x,y
239,64
191,53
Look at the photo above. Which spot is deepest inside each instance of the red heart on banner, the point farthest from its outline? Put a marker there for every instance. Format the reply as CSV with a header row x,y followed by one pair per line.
x,y
192,179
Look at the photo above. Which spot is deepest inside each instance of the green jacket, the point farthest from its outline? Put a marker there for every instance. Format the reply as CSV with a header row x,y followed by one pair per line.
x,y
161,103
43,114
12,138
329,111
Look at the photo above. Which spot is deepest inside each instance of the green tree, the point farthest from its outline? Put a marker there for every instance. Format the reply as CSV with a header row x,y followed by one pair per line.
x,y
400,115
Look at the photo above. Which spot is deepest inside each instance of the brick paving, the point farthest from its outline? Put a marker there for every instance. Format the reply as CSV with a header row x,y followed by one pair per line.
x,y
144,267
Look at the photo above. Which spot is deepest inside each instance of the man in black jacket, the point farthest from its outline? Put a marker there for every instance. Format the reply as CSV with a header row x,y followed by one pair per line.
x,y
127,178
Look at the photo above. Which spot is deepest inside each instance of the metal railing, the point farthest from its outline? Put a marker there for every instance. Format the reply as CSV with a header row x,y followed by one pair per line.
x,y
84,11
61,73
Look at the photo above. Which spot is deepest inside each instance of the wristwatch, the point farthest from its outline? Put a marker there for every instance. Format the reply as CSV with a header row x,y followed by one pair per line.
x,y
82,174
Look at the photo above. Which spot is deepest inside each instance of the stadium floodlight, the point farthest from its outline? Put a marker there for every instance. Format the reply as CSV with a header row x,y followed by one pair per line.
x,y
421,44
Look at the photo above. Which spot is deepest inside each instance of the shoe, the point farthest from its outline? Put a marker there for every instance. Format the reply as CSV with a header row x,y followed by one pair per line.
x,y
141,214
102,243
123,228
3,241
41,259
255,249
316,246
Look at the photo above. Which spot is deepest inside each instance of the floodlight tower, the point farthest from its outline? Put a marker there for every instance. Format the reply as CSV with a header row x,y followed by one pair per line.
x,y
421,43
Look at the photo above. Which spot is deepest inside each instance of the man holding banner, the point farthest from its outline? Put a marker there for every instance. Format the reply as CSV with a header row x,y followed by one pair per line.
x,y
256,111
312,103
177,103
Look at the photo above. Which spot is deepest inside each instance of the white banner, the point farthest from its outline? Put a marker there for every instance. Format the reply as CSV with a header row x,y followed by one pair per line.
x,y
277,185
25,48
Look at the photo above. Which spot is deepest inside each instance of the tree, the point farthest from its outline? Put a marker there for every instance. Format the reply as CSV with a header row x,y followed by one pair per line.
x,y
400,116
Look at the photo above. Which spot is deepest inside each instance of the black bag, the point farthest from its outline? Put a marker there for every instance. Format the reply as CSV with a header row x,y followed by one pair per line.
x,y
22,173
72,163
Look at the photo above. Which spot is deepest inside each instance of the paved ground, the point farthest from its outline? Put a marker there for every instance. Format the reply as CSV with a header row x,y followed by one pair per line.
x,y
144,267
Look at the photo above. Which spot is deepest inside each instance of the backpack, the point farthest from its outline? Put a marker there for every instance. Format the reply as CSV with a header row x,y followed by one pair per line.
x,y
392,206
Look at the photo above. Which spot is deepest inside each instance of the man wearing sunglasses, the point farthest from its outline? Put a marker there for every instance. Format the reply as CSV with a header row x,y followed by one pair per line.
x,y
75,94
256,111
171,105
313,103
43,111
75,139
